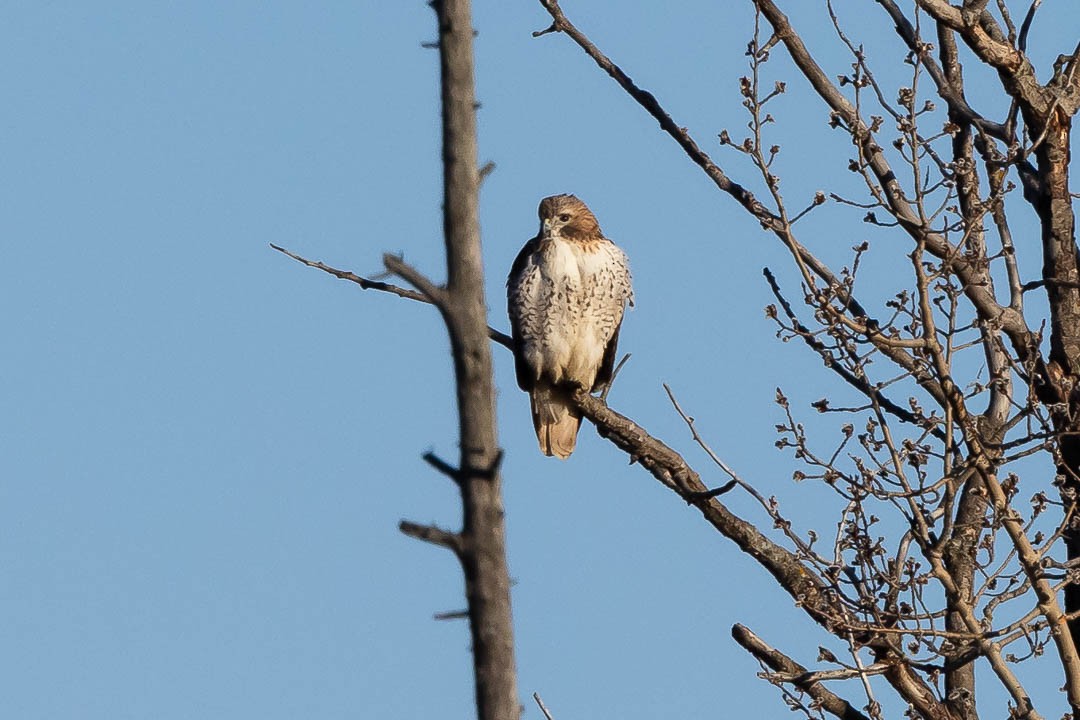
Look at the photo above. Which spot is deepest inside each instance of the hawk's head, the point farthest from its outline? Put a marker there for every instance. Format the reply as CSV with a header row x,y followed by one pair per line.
x,y
566,217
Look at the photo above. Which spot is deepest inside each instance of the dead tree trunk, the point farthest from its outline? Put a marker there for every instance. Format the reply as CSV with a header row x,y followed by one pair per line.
x,y
483,551
481,543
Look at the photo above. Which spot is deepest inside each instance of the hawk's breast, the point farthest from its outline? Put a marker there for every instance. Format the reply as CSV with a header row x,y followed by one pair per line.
x,y
568,301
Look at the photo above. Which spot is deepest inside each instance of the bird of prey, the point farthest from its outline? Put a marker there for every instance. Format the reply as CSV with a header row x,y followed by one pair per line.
x,y
566,295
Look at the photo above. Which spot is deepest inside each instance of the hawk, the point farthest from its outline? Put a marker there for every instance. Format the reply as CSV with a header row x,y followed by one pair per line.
x,y
566,295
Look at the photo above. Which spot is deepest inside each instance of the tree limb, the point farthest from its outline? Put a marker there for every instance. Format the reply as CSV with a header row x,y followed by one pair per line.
x,y
368,284
949,92
363,282
781,663
794,576
434,535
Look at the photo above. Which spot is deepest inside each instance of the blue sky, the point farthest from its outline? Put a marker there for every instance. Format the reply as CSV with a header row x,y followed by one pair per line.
x,y
207,447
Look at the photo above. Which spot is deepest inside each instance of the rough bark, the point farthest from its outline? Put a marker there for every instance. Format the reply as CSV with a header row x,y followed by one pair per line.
x,y
1062,278
960,550
483,543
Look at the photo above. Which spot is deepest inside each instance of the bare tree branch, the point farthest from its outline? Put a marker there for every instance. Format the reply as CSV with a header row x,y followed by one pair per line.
x,y
543,708
799,675
434,535
743,196
367,284
363,282
436,295
949,92
797,579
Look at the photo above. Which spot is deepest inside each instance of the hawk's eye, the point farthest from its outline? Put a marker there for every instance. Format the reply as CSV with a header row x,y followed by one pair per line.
x,y
565,217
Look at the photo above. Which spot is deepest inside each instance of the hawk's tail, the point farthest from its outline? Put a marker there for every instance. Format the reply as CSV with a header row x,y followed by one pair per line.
x,y
556,420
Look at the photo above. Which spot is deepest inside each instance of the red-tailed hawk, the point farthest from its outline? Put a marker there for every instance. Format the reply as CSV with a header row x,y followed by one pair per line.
x,y
566,293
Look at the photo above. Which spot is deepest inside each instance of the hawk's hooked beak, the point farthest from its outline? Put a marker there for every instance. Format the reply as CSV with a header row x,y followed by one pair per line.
x,y
545,227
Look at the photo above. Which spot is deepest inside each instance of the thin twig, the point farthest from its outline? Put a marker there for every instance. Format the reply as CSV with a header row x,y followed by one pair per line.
x,y
363,282
434,535
442,466
648,101
698,439
795,674
543,708
367,284
434,293
614,374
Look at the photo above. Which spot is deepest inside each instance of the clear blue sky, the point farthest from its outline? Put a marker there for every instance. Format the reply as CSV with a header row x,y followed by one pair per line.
x,y
205,447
